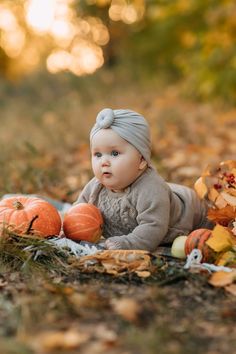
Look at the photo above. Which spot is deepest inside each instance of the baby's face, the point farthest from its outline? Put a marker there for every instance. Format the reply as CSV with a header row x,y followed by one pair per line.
x,y
115,162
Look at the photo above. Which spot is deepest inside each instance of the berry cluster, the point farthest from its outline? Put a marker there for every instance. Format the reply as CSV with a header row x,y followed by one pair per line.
x,y
225,180
230,179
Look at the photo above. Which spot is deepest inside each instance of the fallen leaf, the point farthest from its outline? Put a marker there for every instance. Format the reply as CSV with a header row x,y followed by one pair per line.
x,y
3,283
127,308
231,191
230,164
231,200
227,258
231,289
218,184
59,289
143,274
102,332
220,202
59,340
222,216
117,262
234,228
220,240
201,188
213,194
221,279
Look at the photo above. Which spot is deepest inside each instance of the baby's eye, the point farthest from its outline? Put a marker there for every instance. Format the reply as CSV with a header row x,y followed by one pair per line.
x,y
97,154
114,153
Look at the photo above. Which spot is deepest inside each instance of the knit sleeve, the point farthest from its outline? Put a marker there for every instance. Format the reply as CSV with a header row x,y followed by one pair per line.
x,y
153,207
89,192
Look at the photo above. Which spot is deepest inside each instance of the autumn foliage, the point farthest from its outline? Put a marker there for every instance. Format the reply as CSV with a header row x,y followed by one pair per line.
x,y
218,186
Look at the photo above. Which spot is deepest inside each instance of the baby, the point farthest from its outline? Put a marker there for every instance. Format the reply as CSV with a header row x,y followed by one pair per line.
x,y
140,209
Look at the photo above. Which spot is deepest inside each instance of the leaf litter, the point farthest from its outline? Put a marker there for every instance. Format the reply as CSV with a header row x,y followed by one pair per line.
x,y
50,303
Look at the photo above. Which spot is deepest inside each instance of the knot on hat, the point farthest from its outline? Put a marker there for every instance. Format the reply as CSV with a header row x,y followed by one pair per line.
x,y
105,118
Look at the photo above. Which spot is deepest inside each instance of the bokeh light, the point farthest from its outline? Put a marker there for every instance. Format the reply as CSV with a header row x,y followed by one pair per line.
x,y
54,28
40,14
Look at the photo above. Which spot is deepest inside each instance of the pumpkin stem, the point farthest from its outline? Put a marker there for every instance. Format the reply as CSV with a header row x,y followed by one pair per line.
x,y
29,229
18,205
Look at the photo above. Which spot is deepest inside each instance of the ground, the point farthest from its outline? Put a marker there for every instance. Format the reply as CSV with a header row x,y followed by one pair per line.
x,y
173,311
57,308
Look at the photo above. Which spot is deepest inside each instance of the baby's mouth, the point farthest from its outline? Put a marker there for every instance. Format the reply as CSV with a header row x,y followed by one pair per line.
x,y
106,174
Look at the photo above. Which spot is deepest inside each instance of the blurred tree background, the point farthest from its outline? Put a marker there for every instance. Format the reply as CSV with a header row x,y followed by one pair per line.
x,y
187,40
61,61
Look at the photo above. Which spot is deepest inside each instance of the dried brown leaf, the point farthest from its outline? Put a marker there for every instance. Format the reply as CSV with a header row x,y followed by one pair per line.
x,y
222,216
221,279
117,261
231,289
143,274
127,308
59,340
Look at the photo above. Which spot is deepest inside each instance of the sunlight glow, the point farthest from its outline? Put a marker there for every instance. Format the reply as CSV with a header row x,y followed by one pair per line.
x,y
58,61
100,34
83,59
87,58
12,38
121,10
40,14
13,42
7,19
115,11
129,14
62,29
76,40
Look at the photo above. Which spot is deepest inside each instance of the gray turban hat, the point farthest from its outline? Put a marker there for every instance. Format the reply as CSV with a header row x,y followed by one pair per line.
x,y
129,125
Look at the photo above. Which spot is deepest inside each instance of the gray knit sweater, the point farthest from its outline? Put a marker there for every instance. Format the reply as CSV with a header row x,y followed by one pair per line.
x,y
149,212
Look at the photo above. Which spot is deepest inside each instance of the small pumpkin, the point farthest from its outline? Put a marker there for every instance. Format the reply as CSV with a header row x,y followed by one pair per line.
x,y
197,239
30,215
83,222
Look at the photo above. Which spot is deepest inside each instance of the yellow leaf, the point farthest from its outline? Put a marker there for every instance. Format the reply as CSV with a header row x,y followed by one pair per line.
x,y
220,202
230,191
213,194
221,239
231,164
226,258
221,279
201,188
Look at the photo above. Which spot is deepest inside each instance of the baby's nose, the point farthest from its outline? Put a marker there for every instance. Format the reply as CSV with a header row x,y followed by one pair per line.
x,y
105,161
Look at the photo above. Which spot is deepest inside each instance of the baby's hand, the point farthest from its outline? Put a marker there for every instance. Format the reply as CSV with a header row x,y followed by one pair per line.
x,y
110,245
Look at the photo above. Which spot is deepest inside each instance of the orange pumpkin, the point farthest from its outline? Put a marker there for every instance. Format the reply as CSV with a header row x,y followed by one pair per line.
x,y
197,239
30,215
83,222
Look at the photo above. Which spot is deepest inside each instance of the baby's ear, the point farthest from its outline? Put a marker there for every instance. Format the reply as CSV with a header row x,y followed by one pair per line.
x,y
143,163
